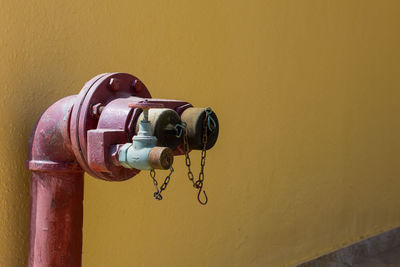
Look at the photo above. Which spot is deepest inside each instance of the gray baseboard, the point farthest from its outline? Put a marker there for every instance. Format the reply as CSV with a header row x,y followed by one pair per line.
x,y
354,253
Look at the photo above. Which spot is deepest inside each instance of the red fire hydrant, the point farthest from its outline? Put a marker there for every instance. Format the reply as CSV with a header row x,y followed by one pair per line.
x,y
112,129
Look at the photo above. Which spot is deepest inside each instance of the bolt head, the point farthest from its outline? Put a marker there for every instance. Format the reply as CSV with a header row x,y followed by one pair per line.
x,y
137,86
96,110
114,84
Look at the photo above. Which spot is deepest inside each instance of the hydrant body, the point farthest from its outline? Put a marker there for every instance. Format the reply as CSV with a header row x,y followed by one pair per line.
x,y
94,132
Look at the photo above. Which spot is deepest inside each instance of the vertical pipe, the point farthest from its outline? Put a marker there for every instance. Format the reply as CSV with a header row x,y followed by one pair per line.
x,y
56,219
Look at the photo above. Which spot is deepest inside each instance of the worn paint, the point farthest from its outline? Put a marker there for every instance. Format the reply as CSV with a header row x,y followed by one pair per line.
x,y
57,144
307,97
56,211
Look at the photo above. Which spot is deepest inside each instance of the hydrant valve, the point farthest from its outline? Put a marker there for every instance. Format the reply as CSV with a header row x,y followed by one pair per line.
x,y
142,153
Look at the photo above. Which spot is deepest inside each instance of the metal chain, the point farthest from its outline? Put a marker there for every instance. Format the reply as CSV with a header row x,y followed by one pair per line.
x,y
157,195
199,183
208,123
166,180
186,148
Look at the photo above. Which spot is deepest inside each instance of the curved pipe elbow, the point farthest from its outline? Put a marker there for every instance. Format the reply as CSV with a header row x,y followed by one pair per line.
x,y
50,144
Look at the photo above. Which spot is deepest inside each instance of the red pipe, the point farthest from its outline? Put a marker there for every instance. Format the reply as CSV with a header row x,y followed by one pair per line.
x,y
56,191
56,219
76,134
58,156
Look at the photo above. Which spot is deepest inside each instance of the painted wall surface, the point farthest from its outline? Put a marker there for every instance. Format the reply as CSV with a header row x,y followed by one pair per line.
x,y
307,93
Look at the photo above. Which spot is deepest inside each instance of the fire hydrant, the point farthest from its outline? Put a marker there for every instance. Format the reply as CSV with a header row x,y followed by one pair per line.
x,y
112,129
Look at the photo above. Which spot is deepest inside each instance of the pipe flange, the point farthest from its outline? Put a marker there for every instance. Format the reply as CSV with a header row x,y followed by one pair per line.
x,y
101,89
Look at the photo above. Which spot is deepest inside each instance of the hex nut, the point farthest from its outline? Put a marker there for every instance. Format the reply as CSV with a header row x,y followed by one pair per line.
x,y
114,84
96,110
137,86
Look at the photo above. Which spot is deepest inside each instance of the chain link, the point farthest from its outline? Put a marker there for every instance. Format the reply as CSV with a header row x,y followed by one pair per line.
x,y
186,148
157,195
199,183
210,124
166,180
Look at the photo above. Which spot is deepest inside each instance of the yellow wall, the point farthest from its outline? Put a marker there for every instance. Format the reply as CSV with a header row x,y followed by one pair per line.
x,y
307,94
